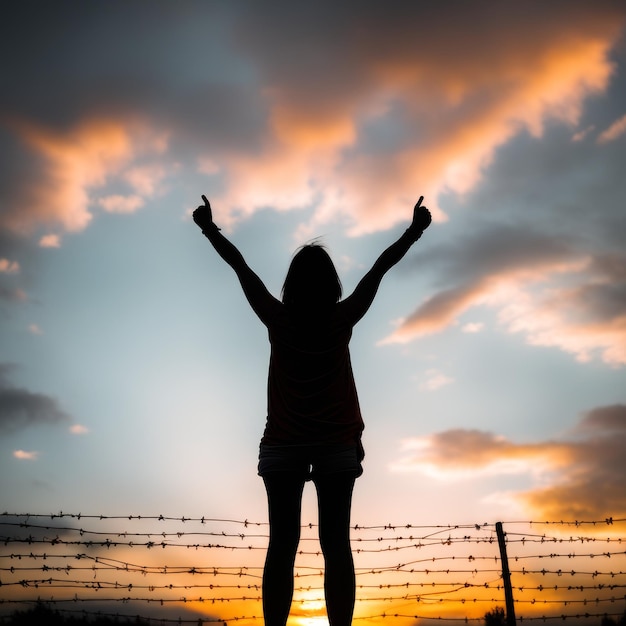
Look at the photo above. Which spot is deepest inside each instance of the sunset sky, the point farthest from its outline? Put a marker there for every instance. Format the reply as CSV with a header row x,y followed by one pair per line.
x,y
491,368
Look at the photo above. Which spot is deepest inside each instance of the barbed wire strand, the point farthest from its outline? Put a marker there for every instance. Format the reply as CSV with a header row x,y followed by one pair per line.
x,y
369,541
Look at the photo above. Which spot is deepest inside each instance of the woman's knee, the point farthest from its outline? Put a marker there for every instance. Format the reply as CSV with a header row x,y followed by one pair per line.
x,y
334,535
284,539
334,498
335,546
284,496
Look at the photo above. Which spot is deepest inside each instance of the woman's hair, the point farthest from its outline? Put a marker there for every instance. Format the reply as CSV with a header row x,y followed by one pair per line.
x,y
312,280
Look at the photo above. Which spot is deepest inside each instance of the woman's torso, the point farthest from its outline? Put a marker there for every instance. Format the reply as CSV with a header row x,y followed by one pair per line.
x,y
312,396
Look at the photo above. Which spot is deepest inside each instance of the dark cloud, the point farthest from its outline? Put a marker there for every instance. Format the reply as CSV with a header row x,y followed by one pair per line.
x,y
491,248
598,302
324,50
20,408
21,528
605,420
592,486
167,62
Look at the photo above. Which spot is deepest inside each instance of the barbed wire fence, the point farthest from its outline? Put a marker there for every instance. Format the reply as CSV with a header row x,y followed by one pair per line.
x,y
202,571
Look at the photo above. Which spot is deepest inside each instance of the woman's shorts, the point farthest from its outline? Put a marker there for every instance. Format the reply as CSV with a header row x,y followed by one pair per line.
x,y
310,461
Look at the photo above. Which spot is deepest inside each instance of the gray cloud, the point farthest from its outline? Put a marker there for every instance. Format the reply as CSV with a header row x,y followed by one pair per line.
x,y
604,420
473,43
178,67
20,408
19,250
491,248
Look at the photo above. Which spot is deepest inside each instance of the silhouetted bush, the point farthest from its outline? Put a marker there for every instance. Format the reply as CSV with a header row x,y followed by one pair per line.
x,y
496,617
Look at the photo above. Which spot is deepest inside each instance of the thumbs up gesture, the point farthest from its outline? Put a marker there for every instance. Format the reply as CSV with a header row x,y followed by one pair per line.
x,y
203,216
421,218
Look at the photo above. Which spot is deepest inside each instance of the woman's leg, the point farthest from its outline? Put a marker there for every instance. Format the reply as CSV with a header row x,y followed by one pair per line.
x,y
284,498
334,496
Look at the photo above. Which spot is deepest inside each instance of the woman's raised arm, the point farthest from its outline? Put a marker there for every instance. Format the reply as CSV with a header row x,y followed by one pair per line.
x,y
260,299
356,305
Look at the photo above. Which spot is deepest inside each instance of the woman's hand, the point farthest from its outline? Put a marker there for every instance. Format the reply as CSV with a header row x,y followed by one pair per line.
x,y
421,217
421,220
203,216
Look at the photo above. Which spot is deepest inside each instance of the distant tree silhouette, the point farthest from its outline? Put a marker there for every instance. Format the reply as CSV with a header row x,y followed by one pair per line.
x,y
495,617
43,615
609,621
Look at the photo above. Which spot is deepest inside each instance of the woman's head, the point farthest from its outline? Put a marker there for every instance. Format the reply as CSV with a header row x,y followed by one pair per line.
x,y
312,280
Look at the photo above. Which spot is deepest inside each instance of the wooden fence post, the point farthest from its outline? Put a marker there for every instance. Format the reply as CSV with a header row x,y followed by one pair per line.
x,y
506,576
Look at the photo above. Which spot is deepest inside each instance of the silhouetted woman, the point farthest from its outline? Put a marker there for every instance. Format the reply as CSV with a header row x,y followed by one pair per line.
x,y
314,424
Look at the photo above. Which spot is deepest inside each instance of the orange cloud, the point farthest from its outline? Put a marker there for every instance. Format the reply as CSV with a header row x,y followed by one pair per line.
x,y
439,311
75,163
477,452
549,85
528,279
499,288
598,326
551,324
50,241
614,131
268,181
581,477
9,267
25,455
121,204
301,150
581,134
447,101
310,130
146,179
